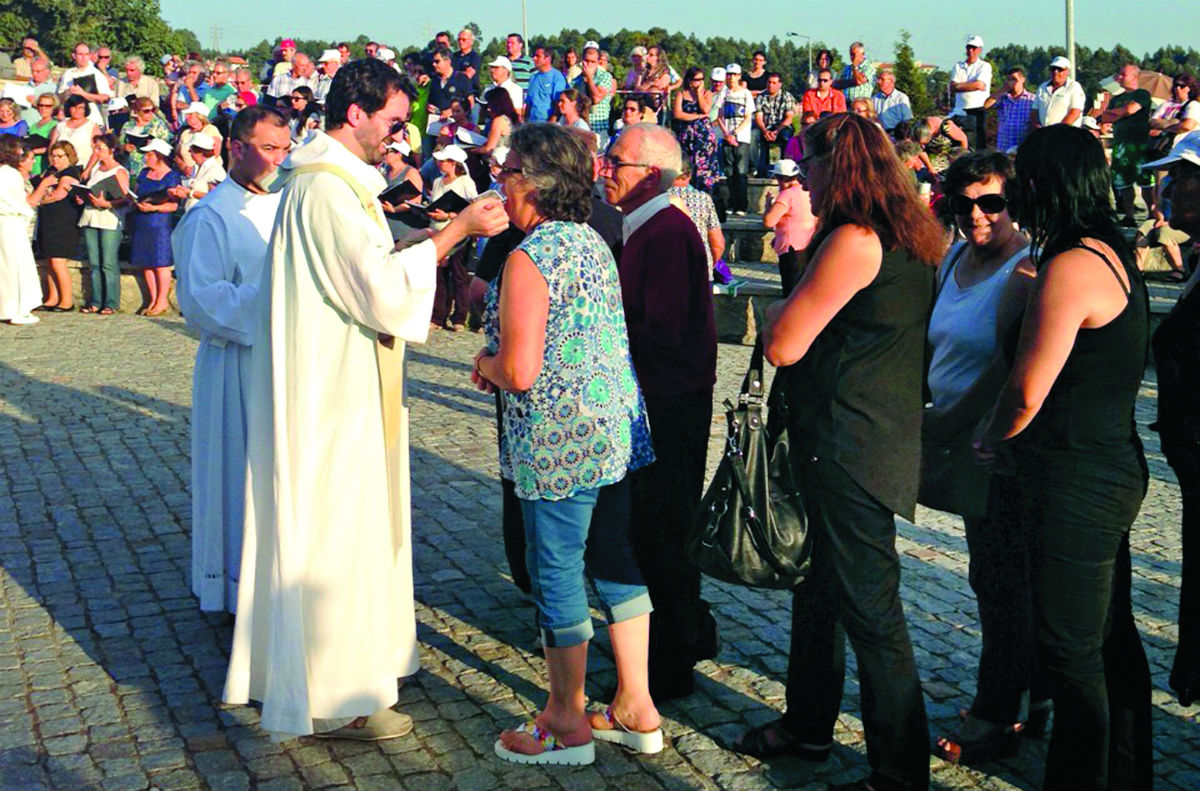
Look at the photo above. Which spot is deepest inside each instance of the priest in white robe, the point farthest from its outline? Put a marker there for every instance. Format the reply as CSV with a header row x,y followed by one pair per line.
x,y
219,249
325,623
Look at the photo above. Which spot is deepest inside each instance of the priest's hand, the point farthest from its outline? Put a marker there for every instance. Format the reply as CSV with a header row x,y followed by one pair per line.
x,y
484,217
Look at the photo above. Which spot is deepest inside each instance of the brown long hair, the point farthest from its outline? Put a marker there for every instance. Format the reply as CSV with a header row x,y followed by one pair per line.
x,y
869,187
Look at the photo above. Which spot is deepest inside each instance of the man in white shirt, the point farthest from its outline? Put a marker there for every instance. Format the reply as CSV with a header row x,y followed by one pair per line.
x,y
325,619
735,120
84,79
971,84
1060,99
501,71
39,83
137,82
891,106
219,248
330,61
303,72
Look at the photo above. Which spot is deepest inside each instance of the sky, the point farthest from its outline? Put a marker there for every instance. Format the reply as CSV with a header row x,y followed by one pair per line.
x,y
938,28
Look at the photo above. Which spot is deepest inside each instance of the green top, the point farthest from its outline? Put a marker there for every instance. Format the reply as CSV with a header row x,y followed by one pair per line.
x,y
1132,128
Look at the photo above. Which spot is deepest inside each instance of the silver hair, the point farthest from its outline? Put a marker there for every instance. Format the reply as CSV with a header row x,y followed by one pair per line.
x,y
657,146
136,61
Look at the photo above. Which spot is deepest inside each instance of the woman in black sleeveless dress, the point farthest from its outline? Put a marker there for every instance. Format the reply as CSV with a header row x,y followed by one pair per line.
x,y
1064,423
852,338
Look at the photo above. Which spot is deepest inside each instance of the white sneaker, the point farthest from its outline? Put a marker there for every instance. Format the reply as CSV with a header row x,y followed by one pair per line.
x,y
26,319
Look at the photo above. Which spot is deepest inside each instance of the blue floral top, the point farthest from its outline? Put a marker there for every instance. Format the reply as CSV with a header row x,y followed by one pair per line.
x,y
583,423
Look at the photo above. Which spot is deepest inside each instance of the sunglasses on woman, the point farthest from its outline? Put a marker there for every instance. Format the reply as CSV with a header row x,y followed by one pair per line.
x,y
988,204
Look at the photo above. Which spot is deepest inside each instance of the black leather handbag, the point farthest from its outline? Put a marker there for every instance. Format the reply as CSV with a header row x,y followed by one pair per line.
x,y
751,528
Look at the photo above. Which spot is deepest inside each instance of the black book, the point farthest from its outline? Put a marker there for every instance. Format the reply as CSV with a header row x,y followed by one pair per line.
x,y
401,193
137,141
86,82
450,202
37,141
156,198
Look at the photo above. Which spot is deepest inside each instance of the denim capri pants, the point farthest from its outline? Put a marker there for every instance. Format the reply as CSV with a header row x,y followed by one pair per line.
x,y
588,531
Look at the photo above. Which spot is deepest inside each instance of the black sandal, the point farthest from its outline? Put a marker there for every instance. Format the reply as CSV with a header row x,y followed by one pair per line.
x,y
773,740
995,744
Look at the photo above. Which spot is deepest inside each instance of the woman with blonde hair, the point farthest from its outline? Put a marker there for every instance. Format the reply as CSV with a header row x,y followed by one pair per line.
x,y
850,340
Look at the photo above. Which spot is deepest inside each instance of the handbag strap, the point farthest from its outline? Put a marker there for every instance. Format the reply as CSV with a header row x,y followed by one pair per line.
x,y
752,384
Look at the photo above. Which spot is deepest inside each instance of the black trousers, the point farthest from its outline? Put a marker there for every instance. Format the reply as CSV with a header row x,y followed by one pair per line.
x,y
452,299
854,592
1080,511
1001,576
737,173
979,115
665,497
790,269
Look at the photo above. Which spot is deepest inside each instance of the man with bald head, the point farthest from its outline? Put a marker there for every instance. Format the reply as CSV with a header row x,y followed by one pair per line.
x,y
303,72
673,342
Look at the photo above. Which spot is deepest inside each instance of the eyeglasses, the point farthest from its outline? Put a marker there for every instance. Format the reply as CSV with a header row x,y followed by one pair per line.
x,y
823,81
46,104
299,99
503,172
988,204
1057,68
803,166
610,165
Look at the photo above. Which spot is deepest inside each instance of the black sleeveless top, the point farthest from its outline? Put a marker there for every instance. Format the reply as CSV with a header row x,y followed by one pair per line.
x,y
1089,412
856,396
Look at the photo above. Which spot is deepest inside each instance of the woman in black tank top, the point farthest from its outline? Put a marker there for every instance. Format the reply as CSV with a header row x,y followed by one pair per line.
x,y
1064,426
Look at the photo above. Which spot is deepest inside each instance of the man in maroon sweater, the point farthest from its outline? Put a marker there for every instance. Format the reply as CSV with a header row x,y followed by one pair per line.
x,y
673,341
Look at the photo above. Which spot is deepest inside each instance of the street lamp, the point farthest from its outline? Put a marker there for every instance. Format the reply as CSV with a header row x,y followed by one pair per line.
x,y
809,40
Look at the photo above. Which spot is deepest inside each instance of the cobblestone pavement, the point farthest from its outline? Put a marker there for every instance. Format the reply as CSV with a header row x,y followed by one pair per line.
x,y
110,677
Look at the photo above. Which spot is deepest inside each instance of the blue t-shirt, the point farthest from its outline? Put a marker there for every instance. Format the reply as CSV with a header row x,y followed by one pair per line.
x,y
542,94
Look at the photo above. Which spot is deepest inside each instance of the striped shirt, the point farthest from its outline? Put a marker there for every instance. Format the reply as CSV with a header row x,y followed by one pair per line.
x,y
522,70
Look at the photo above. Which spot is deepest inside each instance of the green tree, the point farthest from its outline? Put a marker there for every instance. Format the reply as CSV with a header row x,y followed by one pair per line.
x,y
909,78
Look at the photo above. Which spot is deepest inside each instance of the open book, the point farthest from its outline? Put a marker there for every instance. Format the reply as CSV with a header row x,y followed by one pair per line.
x,y
109,187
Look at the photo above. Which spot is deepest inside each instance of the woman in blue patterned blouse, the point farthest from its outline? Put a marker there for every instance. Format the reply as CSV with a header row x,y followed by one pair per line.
x,y
574,425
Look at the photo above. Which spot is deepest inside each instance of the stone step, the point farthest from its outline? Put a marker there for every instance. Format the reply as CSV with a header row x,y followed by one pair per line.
x,y
134,295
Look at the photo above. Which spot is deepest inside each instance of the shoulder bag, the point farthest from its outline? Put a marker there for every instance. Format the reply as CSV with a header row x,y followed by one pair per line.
x,y
751,528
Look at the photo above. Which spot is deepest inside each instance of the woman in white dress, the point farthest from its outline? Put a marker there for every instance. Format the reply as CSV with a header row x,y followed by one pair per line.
x,y
20,291
76,129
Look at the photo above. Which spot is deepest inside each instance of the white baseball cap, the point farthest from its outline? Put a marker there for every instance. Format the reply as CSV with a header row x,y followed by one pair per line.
x,y
718,74
328,55
202,141
733,68
200,108
591,44
1060,63
400,146
638,50
451,152
165,59
157,146
502,62
385,54
975,41
786,168
499,153
1186,150
117,103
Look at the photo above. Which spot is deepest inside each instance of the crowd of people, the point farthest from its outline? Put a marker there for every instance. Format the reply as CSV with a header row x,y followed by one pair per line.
x,y
332,216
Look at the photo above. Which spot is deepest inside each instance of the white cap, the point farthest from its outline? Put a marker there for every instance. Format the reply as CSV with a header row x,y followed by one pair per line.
x,y
718,74
733,68
1060,62
328,55
1186,150
1089,122
975,41
385,54
165,59
638,50
591,44
451,152
202,141
502,62
117,103
400,147
787,168
499,154
157,146
199,108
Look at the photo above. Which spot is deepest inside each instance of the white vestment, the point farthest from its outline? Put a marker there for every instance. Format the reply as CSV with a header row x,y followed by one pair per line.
x,y
325,621
20,290
219,249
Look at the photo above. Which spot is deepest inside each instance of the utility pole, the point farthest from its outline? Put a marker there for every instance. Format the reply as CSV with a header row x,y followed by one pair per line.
x,y
216,38
1071,36
524,25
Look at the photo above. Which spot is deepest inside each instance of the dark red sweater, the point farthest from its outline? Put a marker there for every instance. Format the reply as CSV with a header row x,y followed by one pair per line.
x,y
668,307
